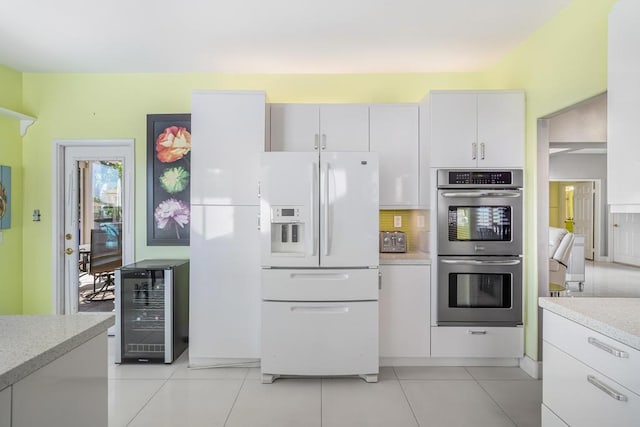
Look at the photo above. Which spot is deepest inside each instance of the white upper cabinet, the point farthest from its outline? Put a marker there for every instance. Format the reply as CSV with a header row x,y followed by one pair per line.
x,y
477,129
623,147
294,127
313,127
394,135
227,137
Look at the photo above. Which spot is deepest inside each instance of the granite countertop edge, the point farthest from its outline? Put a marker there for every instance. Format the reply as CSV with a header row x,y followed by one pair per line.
x,y
585,317
35,362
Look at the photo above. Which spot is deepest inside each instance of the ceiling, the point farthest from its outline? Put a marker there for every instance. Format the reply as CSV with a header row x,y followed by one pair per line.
x,y
257,36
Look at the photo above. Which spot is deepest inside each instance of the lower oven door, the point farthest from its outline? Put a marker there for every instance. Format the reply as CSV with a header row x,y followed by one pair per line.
x,y
479,291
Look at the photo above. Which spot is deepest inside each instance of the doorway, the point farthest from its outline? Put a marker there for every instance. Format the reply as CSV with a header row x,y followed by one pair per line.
x,y
93,221
574,205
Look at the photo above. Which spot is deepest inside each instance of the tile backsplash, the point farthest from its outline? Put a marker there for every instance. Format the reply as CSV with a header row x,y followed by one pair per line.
x,y
415,223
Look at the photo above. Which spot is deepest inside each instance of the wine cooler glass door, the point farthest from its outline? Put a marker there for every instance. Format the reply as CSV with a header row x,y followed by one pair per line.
x,y
143,313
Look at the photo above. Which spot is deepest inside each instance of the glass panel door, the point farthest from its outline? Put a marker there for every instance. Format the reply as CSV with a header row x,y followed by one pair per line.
x,y
484,290
143,315
479,223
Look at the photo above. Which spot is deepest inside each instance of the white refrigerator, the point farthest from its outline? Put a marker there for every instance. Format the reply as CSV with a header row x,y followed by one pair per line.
x,y
319,256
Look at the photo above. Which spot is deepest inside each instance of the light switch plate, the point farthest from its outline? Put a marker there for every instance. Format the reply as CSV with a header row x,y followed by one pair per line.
x,y
397,221
421,221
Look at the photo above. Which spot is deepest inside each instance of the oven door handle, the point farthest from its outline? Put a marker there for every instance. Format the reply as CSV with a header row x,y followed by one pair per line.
x,y
479,262
478,194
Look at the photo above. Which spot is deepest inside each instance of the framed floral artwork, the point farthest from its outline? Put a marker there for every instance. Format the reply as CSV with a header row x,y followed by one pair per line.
x,y
168,179
5,197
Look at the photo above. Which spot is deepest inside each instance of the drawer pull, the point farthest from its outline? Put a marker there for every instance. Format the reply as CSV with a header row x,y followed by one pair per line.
x,y
319,276
471,332
602,386
611,350
320,309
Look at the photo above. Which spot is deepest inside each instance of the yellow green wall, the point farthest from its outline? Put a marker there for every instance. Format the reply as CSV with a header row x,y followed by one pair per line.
x,y
11,155
115,106
564,62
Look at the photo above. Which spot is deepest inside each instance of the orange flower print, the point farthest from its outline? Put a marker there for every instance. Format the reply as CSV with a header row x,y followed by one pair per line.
x,y
173,144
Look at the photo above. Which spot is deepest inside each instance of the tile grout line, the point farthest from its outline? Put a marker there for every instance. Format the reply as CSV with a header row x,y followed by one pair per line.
x,y
405,396
149,399
244,380
491,397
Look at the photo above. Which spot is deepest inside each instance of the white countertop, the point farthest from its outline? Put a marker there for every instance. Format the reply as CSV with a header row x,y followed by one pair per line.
x,y
29,342
415,258
617,318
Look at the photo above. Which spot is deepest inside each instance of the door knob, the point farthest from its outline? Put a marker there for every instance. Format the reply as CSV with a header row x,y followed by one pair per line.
x,y
67,236
68,251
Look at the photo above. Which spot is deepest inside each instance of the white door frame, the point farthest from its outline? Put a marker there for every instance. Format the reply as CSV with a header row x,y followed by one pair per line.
x,y
60,302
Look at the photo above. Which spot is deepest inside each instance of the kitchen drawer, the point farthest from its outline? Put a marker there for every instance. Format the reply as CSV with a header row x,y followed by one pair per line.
x,y
320,285
467,341
568,391
338,338
549,419
614,359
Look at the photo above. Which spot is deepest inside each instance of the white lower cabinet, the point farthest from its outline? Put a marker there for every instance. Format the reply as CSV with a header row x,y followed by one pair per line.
x,y
589,378
5,407
582,396
480,341
71,391
319,338
404,311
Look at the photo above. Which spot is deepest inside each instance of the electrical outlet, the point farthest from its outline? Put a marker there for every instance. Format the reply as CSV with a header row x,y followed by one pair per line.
x,y
397,221
420,221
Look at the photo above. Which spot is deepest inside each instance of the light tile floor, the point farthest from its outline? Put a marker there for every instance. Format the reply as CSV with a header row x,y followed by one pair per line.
x,y
606,279
174,395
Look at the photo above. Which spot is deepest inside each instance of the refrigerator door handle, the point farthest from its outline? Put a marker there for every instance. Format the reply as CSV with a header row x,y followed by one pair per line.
x,y
325,231
311,234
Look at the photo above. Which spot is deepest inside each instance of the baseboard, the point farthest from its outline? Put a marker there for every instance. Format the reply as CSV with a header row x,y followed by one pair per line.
x,y
449,361
215,362
531,367
602,258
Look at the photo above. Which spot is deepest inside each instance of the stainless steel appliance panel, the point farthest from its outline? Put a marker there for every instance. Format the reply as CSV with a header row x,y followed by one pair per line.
x,y
393,242
152,318
479,291
480,213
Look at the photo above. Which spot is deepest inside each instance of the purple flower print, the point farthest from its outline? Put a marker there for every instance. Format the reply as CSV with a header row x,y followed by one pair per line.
x,y
172,211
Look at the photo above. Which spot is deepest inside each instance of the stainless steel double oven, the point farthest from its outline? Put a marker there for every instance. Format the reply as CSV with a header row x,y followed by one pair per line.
x,y
480,228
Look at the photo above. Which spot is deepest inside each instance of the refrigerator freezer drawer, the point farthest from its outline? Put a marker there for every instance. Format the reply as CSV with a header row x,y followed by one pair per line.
x,y
320,285
339,338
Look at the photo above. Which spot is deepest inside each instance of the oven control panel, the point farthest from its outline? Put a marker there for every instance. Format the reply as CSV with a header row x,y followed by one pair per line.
x,y
480,178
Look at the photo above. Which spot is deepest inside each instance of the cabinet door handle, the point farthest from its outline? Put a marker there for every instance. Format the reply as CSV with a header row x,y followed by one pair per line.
x,y
315,141
478,332
482,151
474,151
605,347
605,388
324,141
379,281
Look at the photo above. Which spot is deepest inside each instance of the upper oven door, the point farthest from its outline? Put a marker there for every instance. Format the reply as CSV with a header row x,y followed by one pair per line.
x,y
479,222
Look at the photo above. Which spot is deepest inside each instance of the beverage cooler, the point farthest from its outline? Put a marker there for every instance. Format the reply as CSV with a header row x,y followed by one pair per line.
x,y
152,311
